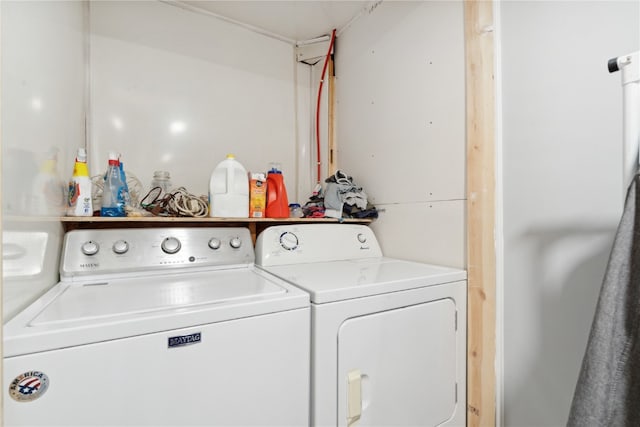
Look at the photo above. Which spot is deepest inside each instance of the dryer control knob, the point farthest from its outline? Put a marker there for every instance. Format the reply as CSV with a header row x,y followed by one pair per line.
x,y
170,245
90,248
214,243
120,247
235,243
288,241
362,238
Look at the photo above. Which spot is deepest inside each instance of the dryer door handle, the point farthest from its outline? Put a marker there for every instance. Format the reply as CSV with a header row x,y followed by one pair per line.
x,y
354,397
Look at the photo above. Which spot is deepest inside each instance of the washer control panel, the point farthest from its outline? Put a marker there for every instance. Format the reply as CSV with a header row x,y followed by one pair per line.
x,y
110,251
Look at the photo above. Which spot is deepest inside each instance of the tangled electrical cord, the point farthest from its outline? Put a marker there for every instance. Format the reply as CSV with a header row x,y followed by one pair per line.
x,y
178,202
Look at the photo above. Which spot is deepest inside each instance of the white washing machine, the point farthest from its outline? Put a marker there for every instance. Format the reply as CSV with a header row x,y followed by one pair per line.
x,y
160,326
388,336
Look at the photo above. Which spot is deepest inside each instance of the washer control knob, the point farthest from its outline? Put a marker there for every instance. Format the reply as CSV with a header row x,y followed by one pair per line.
x,y
235,243
288,241
214,243
90,248
120,247
170,245
362,238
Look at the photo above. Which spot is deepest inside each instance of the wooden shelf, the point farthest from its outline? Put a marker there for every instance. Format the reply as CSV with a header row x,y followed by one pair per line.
x,y
255,225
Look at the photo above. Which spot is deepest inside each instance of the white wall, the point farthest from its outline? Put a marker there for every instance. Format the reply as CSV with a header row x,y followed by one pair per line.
x,y
401,110
43,89
177,90
562,179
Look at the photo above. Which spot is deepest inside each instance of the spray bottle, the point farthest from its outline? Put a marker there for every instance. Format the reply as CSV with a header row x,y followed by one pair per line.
x,y
112,193
125,187
79,196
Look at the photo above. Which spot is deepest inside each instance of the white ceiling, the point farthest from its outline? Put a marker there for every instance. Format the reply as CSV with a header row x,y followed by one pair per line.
x,y
293,20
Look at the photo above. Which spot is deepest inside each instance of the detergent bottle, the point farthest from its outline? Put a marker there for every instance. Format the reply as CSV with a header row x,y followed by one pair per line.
x,y
229,190
277,201
79,196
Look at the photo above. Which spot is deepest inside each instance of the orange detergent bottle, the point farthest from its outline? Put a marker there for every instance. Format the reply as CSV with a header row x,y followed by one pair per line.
x,y
277,201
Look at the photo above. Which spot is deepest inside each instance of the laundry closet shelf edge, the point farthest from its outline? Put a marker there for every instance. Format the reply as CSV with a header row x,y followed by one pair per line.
x,y
255,225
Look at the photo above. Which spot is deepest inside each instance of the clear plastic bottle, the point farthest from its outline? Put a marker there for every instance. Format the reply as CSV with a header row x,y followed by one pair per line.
x,y
295,210
112,193
161,179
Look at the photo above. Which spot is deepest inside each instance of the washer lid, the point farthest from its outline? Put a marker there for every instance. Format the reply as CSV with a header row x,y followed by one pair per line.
x,y
92,311
341,280
112,299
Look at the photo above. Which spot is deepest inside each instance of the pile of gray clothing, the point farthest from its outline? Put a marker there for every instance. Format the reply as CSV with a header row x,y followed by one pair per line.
x,y
342,198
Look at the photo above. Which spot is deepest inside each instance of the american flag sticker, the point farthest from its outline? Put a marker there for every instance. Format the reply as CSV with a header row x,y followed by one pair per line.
x,y
28,386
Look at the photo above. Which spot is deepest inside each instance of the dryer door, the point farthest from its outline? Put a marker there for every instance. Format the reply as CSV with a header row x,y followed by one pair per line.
x,y
398,367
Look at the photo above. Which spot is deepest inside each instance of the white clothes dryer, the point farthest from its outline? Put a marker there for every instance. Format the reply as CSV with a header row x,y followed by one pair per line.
x,y
160,326
388,335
